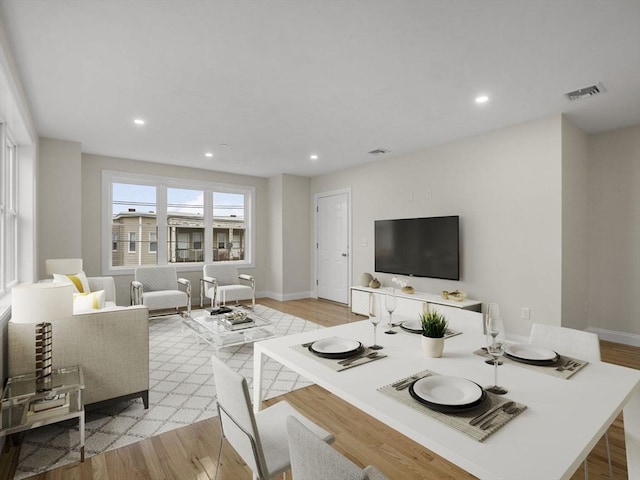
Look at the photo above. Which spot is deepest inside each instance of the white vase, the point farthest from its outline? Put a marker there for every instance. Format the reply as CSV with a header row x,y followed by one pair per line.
x,y
432,347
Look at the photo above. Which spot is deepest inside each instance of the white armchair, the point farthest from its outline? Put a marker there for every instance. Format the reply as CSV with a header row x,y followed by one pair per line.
x,y
73,266
158,288
222,283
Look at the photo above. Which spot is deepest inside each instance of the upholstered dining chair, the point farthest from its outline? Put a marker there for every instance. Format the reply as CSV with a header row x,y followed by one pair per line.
x,y
222,283
158,288
312,459
575,343
260,439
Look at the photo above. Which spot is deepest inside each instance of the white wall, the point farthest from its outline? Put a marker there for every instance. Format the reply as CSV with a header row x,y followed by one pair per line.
x,y
574,227
92,166
614,231
505,186
59,201
276,250
296,237
289,237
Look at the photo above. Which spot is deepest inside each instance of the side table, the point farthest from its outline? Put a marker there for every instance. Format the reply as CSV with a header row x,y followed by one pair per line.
x,y
25,408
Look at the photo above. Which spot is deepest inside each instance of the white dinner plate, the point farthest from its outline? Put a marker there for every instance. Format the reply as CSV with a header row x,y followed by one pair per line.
x,y
335,345
445,390
531,352
412,325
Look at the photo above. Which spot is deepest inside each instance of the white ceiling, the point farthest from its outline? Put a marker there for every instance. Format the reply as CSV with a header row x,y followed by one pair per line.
x,y
279,80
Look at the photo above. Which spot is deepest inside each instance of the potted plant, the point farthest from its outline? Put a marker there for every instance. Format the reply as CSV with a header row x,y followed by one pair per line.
x,y
434,326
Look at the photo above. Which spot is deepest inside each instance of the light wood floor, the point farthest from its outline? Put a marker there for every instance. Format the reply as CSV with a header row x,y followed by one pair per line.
x,y
191,452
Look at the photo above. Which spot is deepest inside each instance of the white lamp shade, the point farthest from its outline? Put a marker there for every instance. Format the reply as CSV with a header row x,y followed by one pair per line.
x,y
64,266
41,302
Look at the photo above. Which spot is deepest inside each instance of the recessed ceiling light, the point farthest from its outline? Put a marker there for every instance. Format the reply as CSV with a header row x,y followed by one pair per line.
x,y
482,99
208,155
313,157
138,121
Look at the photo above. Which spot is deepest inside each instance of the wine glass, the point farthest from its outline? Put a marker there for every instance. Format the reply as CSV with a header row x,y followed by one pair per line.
x,y
374,312
493,311
390,305
495,347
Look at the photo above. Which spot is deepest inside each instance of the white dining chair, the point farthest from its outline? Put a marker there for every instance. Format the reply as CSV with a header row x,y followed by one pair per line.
x,y
260,439
576,343
312,459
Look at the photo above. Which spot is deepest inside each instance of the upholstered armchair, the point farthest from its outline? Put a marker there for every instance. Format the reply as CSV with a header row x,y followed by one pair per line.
x,y
74,267
222,283
159,288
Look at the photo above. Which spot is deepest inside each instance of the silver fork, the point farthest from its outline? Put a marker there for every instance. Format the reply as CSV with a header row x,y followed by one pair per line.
x,y
410,381
509,410
349,361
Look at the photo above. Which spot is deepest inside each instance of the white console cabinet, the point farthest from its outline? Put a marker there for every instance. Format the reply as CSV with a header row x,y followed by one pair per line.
x,y
407,305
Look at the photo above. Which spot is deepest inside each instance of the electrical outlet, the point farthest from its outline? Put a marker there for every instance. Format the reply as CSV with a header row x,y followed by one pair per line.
x,y
526,313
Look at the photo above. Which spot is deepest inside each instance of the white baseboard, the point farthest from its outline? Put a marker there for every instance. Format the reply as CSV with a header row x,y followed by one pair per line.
x,y
616,337
283,297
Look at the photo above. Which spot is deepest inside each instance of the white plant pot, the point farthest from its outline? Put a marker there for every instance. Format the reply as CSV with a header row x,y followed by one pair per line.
x,y
432,347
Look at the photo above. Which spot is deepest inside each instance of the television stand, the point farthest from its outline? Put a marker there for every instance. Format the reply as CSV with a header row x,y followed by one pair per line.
x,y
408,305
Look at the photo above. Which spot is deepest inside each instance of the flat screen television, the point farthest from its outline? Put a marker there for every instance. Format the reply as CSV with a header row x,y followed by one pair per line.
x,y
419,247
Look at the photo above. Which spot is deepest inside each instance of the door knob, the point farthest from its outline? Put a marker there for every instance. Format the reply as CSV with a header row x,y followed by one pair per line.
x,y
344,254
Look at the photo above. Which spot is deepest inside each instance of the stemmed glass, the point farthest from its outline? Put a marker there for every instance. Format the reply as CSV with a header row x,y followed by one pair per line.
x,y
374,312
493,311
495,347
390,305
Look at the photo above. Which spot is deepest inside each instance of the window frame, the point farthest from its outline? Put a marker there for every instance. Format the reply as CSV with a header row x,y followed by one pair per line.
x,y
9,211
162,184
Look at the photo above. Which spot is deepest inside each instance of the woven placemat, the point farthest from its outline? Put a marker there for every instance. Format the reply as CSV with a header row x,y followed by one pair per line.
x,y
458,421
335,364
565,367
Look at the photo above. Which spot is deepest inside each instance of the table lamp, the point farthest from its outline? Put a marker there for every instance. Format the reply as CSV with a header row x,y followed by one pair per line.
x,y
41,304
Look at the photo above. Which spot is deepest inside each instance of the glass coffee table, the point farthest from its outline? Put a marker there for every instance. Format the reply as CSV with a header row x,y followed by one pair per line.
x,y
212,328
25,407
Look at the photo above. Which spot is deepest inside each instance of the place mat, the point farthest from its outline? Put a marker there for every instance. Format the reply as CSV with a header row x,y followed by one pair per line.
x,y
335,363
564,368
458,421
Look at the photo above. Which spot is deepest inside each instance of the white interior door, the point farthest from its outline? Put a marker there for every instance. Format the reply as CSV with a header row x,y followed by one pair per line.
x,y
332,237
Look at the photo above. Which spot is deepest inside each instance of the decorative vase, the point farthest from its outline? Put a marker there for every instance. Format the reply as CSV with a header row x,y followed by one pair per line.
x,y
432,347
366,279
408,289
375,283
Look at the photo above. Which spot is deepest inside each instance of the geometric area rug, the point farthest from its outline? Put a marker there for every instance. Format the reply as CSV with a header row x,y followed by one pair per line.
x,y
182,392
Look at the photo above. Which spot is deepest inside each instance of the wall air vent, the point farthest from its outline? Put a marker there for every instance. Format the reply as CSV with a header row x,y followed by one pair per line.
x,y
378,151
586,92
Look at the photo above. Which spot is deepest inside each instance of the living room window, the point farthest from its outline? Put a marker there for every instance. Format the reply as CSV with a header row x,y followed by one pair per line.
x,y
182,222
8,213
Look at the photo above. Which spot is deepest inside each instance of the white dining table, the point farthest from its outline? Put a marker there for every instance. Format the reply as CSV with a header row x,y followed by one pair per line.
x,y
563,421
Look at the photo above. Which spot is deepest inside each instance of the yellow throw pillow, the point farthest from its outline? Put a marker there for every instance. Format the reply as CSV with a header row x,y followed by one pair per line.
x,y
79,281
86,302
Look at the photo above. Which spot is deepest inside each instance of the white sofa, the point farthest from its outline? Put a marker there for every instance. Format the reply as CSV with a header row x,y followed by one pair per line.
x,y
112,346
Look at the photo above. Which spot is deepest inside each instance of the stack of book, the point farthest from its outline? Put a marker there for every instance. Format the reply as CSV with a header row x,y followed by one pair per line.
x,y
237,323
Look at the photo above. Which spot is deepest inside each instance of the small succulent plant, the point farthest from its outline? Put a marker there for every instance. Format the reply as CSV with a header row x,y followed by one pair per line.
x,y
434,324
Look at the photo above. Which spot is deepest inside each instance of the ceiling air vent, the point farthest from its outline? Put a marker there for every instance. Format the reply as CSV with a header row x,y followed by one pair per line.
x,y
586,92
379,151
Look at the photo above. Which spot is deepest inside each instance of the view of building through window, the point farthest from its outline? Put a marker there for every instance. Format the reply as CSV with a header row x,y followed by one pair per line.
x,y
135,225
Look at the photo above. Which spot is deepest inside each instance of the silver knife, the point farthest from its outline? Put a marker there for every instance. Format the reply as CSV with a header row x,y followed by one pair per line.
x,y
481,417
